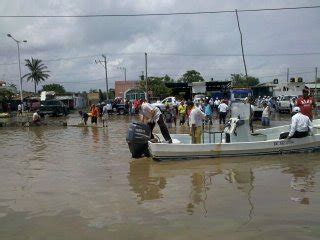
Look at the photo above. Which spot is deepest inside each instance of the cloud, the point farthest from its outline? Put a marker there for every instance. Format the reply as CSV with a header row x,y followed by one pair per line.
x,y
263,32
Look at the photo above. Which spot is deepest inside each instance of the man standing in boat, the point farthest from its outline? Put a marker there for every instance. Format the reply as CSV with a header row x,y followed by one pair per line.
x,y
306,103
195,122
152,115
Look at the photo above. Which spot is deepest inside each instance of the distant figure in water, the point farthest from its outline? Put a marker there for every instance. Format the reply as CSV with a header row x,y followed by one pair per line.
x,y
84,116
36,119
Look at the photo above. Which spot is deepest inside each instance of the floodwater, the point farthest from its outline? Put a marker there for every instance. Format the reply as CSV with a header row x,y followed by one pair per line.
x,y
81,183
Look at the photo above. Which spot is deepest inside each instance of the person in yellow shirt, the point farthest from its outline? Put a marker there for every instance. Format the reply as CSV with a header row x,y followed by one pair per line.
x,y
182,109
196,118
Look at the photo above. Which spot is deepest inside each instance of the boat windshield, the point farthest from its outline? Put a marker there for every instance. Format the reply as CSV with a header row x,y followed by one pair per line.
x,y
239,109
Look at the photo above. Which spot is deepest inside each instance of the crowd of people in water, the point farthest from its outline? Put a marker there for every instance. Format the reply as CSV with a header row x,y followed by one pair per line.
x,y
179,114
195,113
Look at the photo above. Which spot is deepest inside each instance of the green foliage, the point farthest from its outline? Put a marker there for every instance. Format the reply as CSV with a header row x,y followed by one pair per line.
x,y
57,88
191,76
112,93
37,72
101,96
167,79
157,86
93,90
239,80
5,95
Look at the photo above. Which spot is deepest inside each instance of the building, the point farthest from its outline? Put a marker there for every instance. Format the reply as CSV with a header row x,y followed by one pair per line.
x,y
80,101
263,89
129,90
93,98
292,88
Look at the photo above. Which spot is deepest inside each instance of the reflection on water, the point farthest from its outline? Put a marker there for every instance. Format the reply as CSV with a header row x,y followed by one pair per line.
x,y
145,186
67,178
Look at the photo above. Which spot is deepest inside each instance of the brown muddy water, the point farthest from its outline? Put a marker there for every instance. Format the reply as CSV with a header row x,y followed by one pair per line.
x,y
81,183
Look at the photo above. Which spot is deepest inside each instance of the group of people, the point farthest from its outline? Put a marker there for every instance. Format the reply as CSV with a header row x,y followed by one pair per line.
x,y
193,113
196,113
207,106
301,121
96,112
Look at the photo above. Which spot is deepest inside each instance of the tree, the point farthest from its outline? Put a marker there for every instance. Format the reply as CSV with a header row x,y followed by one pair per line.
x,y
57,88
157,86
191,76
93,90
167,79
239,80
112,93
5,95
13,85
101,96
37,72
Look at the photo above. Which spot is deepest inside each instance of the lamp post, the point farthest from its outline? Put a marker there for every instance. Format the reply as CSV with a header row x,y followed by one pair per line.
x,y
18,42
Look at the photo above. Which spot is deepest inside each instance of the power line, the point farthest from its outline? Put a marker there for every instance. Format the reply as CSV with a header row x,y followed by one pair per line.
x,y
237,55
178,55
283,74
158,14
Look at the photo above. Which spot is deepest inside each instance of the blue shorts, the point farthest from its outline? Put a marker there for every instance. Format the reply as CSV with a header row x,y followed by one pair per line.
x,y
265,121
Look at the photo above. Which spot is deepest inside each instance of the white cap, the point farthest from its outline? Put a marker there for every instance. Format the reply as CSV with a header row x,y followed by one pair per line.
x,y
296,109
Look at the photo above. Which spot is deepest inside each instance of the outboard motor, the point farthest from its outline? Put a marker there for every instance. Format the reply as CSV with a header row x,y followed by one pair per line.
x,y
137,138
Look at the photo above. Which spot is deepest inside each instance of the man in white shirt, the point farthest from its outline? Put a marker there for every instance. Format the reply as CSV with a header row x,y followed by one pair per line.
x,y
300,125
104,115
109,107
196,117
20,109
223,109
151,115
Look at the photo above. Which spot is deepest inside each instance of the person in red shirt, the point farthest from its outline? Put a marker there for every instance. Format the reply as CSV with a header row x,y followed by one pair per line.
x,y
306,103
94,114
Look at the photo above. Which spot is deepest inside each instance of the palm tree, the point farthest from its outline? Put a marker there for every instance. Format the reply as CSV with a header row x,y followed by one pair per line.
x,y
37,72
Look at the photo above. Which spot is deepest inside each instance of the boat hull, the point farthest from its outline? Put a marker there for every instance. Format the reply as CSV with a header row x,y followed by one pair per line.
x,y
164,151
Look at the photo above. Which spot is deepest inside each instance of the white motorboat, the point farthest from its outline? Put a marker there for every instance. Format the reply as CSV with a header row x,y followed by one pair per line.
x,y
235,140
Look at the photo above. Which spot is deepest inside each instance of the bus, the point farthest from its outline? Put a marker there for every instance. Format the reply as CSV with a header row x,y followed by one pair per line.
x,y
240,94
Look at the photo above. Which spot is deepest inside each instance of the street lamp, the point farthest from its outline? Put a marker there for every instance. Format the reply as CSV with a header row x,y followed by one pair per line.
x,y
18,42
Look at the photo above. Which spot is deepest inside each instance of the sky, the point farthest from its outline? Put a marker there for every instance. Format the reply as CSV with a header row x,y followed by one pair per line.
x,y
174,44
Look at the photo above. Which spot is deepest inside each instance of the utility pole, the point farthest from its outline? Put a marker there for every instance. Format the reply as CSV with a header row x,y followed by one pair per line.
x,y
146,65
316,85
106,70
244,60
125,72
104,64
287,75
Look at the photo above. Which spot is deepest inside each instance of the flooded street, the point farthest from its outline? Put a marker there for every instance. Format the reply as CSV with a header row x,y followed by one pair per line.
x,y
81,183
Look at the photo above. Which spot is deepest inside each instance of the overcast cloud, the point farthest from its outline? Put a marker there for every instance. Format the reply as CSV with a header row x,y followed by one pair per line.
x,y
294,31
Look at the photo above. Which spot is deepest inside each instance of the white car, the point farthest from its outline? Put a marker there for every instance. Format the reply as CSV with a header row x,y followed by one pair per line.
x,y
286,103
162,104
198,97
